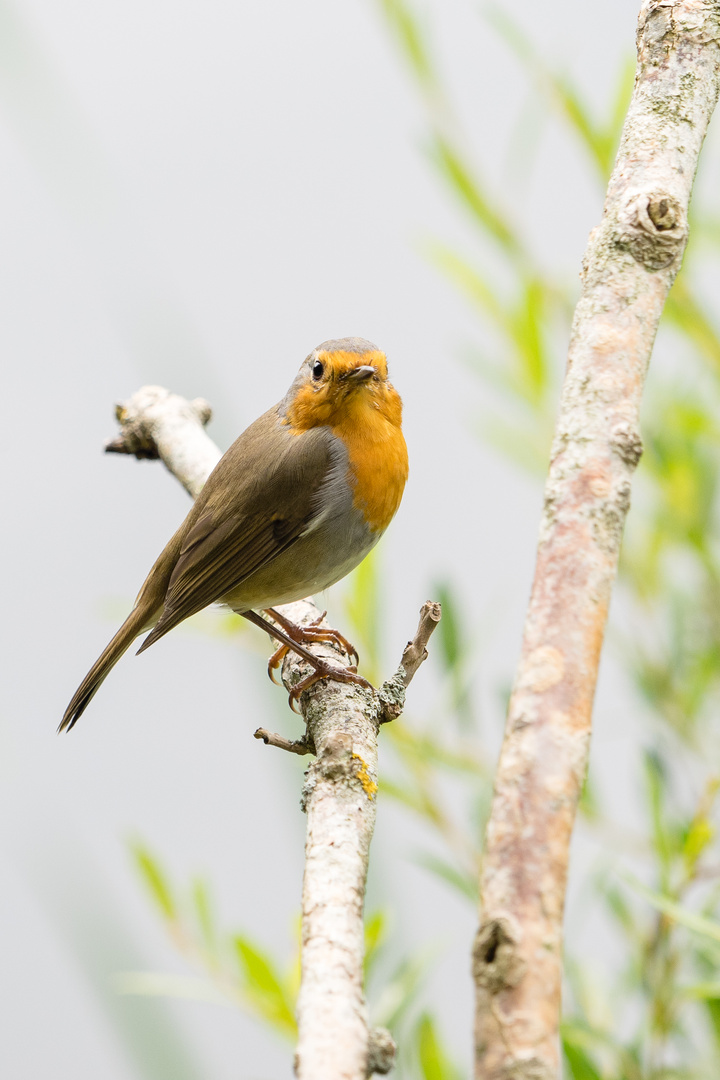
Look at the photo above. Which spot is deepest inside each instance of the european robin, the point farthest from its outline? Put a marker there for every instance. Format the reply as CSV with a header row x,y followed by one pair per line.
x,y
294,505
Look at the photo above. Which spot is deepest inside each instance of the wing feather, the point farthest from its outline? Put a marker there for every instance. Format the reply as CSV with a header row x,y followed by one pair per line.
x,y
240,524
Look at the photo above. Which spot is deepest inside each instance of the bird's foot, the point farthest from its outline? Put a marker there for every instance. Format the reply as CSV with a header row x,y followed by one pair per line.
x,y
324,670
306,635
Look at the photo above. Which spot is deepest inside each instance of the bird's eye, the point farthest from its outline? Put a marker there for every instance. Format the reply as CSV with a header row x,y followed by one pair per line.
x,y
317,370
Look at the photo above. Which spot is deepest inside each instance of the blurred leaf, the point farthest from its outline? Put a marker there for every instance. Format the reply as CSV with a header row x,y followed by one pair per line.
x,y
154,879
589,805
657,778
361,600
703,990
462,882
204,916
697,923
619,907
264,987
452,643
405,24
686,314
700,834
375,926
434,1062
601,140
467,188
401,989
159,984
712,1006
577,1058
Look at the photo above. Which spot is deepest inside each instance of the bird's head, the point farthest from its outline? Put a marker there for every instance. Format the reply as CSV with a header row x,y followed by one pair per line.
x,y
342,381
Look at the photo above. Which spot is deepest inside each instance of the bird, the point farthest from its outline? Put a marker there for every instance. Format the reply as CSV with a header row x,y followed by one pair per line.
x,y
294,505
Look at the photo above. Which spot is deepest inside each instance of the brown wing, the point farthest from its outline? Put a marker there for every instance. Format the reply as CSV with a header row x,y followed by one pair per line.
x,y
259,500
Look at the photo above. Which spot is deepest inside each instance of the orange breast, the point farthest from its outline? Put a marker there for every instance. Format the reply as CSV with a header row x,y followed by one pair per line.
x,y
378,463
368,421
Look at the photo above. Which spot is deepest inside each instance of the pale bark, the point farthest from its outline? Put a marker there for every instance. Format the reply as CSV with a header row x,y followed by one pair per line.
x,y
339,795
630,263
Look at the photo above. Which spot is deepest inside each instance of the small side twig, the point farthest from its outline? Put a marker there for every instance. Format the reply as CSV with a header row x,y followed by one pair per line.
x,y
294,746
392,692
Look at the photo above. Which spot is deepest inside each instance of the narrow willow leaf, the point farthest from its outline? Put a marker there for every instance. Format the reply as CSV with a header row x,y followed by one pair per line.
x,y
375,926
361,600
468,190
264,987
708,928
434,1061
204,916
462,882
401,989
406,27
160,984
579,1062
154,879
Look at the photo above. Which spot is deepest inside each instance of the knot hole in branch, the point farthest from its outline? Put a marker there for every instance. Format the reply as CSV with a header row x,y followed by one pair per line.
x,y
653,228
497,964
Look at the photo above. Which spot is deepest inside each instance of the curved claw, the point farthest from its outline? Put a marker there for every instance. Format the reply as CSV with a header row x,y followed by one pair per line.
x,y
275,661
325,671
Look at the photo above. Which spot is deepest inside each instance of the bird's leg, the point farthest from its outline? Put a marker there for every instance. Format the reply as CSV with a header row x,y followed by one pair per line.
x,y
322,669
306,635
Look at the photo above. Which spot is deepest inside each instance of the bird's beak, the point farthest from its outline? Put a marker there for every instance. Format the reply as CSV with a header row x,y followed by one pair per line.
x,y
361,374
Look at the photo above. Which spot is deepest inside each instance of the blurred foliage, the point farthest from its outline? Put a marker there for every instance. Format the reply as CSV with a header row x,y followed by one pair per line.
x,y
652,1010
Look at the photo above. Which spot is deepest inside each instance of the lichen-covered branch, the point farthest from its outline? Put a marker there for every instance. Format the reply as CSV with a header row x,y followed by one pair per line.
x,y
630,263
339,796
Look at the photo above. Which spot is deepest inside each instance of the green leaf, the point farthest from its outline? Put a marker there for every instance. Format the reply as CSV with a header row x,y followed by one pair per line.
x,y
160,984
684,312
708,928
454,877
264,988
656,774
375,927
406,27
361,601
468,190
453,641
434,1061
599,139
204,915
401,990
579,1062
155,880
702,990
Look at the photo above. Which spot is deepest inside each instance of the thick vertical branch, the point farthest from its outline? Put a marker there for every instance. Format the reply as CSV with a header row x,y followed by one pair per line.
x,y
630,263
342,722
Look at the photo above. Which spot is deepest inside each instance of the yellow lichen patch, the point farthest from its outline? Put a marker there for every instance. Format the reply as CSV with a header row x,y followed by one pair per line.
x,y
368,784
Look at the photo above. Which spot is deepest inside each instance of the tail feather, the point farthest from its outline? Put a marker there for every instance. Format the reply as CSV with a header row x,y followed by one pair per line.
x,y
137,621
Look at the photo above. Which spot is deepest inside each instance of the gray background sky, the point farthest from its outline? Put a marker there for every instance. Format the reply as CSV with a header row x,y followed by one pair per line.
x,y
196,194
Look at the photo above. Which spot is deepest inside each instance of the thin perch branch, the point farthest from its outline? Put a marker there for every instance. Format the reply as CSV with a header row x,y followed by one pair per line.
x,y
339,795
630,263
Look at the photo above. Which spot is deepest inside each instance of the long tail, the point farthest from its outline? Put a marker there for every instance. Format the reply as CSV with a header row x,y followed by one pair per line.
x,y
137,621
147,610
